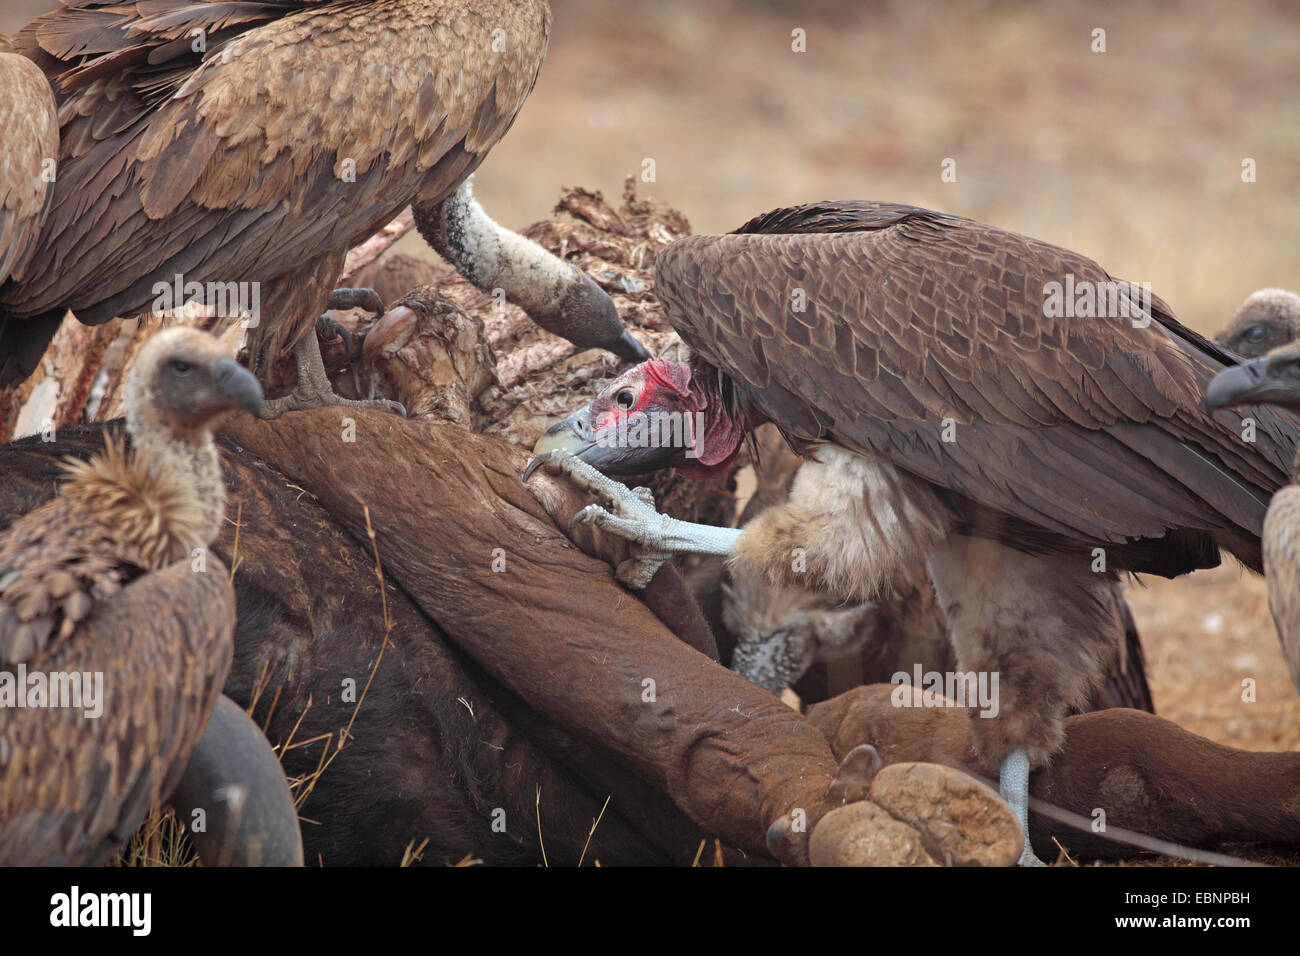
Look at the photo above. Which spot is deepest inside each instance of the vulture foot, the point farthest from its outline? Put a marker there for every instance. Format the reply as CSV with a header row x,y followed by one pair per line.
x,y
368,299
331,327
342,300
630,513
313,389
1013,784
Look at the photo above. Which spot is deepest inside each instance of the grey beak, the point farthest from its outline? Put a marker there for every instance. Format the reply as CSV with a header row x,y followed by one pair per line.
x,y
573,435
1239,385
570,435
604,451
237,384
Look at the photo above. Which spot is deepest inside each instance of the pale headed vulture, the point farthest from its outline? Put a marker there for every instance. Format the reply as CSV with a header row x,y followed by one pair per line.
x,y
115,622
1273,379
962,401
1269,318
27,154
245,146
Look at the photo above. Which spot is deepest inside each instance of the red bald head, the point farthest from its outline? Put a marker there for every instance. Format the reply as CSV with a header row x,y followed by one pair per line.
x,y
656,415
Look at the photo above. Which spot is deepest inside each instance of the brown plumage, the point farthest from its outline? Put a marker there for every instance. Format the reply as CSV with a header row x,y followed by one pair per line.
x,y
105,578
1273,379
952,414
1267,319
779,636
784,636
30,141
257,142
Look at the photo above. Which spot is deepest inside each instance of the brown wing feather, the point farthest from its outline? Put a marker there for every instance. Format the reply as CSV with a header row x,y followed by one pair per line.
x,y
30,138
1072,430
237,164
73,788
56,564
115,518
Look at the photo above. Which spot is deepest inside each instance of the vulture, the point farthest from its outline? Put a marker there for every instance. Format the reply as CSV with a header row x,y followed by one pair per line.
x,y
31,124
781,637
820,646
1269,318
440,743
115,622
1272,379
792,637
233,152
994,406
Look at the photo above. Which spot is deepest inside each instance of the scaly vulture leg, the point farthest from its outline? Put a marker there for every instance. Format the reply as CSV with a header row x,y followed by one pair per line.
x,y
1013,784
557,295
630,513
313,389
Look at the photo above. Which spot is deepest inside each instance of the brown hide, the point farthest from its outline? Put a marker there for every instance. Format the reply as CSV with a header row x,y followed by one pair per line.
x,y
436,746
1148,774
554,626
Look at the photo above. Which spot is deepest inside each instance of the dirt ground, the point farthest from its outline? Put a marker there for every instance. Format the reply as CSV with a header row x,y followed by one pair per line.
x,y
1133,156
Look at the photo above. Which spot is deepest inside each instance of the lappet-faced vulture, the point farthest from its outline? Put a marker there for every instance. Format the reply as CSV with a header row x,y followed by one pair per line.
x,y
115,622
246,146
963,400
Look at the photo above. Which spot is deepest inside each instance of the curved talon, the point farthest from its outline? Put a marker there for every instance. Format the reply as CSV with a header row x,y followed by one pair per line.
x,y
586,516
332,327
363,298
536,463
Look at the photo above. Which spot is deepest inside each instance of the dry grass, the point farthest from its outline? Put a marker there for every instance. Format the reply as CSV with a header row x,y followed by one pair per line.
x,y
161,838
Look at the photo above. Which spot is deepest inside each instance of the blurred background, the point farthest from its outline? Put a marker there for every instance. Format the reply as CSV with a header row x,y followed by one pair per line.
x,y
1132,156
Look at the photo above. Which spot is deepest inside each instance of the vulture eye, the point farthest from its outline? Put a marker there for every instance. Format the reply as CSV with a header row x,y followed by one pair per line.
x,y
1255,333
625,398
180,367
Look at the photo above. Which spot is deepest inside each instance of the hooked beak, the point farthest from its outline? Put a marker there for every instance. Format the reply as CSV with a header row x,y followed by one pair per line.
x,y
237,384
1249,383
573,435
601,450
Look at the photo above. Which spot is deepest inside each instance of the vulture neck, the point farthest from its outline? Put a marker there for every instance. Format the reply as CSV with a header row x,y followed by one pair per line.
x,y
492,257
726,421
165,495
